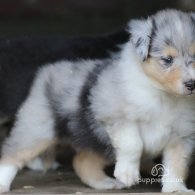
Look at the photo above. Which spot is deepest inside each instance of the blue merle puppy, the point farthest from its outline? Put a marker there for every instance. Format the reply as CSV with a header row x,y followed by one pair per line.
x,y
132,97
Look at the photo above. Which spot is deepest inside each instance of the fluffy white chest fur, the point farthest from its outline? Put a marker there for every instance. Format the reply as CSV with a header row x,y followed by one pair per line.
x,y
167,120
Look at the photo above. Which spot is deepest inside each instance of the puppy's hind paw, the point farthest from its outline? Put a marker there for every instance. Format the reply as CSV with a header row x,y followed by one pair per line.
x,y
110,183
107,184
3,189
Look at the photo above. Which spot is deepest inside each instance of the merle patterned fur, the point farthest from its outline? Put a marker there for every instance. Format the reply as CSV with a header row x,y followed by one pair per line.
x,y
20,59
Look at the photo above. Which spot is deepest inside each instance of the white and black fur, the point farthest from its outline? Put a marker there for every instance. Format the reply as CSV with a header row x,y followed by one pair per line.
x,y
113,109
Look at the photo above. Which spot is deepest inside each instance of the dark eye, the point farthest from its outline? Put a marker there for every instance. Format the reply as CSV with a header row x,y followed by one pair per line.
x,y
167,60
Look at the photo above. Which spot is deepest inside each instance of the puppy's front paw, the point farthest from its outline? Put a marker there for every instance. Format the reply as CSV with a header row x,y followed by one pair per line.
x,y
4,189
175,187
127,174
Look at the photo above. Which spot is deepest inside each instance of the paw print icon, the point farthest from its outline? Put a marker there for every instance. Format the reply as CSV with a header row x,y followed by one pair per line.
x,y
159,170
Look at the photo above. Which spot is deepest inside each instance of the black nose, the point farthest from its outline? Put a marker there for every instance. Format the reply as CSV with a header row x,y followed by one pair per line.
x,y
190,85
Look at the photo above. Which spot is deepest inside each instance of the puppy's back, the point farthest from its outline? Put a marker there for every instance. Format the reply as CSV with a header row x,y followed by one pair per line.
x,y
20,58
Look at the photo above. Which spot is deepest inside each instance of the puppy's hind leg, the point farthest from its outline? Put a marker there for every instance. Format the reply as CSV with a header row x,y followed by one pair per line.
x,y
90,166
31,135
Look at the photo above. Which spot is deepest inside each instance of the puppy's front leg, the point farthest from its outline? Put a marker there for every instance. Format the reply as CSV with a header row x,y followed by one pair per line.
x,y
176,161
128,146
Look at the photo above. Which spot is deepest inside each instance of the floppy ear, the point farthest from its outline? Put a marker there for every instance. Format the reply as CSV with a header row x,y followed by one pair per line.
x,y
192,14
141,32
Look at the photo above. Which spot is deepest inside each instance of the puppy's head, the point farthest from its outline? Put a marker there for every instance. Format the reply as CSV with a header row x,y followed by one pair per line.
x,y
165,43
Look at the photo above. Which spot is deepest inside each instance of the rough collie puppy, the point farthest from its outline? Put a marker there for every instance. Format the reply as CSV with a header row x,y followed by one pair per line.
x,y
138,102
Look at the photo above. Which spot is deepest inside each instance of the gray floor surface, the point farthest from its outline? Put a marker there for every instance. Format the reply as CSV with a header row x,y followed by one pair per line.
x,y
64,181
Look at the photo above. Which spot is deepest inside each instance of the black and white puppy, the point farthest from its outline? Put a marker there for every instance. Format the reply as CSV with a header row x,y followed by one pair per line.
x,y
137,101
